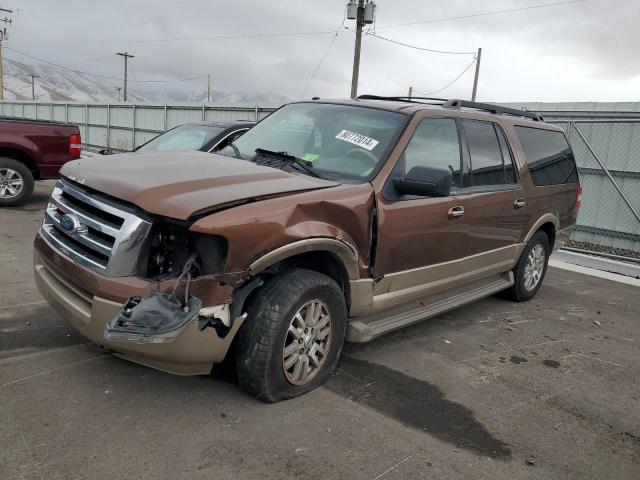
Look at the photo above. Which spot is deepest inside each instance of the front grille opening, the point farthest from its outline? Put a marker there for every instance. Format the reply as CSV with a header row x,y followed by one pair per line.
x,y
106,239
111,219
80,247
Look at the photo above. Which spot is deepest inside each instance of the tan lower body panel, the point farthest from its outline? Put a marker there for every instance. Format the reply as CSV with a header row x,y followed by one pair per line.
x,y
400,287
369,327
193,352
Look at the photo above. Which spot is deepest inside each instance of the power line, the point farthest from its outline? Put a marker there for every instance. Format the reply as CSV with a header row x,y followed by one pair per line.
x,y
484,14
182,39
293,34
101,76
62,66
315,72
448,84
424,49
118,7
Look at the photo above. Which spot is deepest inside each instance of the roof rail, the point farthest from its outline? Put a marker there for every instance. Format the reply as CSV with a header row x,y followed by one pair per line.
x,y
497,109
411,99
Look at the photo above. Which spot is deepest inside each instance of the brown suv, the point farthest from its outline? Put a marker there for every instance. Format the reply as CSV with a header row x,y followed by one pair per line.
x,y
328,220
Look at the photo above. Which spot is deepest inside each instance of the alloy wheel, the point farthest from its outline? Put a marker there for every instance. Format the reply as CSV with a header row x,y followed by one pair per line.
x,y
11,183
307,344
534,267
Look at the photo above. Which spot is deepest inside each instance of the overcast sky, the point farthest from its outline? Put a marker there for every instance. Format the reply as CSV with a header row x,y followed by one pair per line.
x,y
585,51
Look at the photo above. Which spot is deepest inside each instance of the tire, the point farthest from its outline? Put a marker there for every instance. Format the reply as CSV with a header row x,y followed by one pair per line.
x,y
12,173
260,355
523,290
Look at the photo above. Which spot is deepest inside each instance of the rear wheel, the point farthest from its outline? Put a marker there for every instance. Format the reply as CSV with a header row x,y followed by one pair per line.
x,y
292,337
16,182
531,268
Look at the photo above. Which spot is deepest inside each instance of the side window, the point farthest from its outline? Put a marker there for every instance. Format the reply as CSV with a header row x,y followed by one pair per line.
x,y
487,167
435,144
509,169
549,157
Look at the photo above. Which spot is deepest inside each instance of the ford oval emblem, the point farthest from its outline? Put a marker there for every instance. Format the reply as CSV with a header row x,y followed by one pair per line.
x,y
71,224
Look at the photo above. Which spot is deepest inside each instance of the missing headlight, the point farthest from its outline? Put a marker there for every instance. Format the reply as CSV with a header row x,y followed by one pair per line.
x,y
168,250
157,317
170,245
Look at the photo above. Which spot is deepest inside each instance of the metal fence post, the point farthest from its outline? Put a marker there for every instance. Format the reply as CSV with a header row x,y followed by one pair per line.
x,y
606,171
35,104
165,117
203,114
66,113
133,128
108,124
257,113
86,123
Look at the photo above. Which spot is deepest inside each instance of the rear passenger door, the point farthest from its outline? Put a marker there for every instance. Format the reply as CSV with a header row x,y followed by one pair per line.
x,y
492,199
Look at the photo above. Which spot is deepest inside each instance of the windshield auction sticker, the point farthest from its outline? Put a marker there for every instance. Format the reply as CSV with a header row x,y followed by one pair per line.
x,y
357,139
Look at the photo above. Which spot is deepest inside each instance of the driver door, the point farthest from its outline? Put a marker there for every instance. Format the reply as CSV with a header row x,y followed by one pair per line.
x,y
421,241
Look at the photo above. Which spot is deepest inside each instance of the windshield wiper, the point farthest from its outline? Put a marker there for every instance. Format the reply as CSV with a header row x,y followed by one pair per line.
x,y
295,161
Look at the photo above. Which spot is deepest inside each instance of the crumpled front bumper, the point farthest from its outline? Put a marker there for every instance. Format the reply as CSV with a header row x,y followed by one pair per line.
x,y
191,352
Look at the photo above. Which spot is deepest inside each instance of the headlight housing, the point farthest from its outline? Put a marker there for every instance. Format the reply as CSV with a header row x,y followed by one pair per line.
x,y
170,245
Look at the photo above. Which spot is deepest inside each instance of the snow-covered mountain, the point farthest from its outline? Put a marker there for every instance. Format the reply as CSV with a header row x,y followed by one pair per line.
x,y
59,84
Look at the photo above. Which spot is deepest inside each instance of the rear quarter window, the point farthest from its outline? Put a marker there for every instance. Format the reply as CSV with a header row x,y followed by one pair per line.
x,y
549,156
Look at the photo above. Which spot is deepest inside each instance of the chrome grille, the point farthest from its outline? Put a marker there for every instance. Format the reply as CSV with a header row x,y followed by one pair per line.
x,y
106,237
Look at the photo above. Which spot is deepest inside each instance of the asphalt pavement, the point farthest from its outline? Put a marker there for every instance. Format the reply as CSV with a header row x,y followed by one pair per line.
x,y
497,390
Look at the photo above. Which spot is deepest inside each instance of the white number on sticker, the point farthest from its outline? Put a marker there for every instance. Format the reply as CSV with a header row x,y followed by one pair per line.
x,y
357,139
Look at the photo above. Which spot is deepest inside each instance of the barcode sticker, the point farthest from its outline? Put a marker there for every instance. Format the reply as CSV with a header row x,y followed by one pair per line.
x,y
357,139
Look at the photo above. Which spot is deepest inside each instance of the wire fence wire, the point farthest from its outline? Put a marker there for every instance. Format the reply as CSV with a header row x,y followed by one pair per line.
x,y
606,221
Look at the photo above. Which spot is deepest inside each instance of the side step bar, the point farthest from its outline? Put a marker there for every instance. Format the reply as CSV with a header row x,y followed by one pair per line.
x,y
368,327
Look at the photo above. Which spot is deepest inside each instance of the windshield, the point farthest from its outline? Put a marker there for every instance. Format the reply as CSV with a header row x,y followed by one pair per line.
x,y
339,141
184,137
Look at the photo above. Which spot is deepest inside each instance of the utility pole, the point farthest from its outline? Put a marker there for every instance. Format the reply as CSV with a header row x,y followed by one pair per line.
x,y
126,57
33,86
475,79
119,89
410,92
364,14
3,37
356,52
208,87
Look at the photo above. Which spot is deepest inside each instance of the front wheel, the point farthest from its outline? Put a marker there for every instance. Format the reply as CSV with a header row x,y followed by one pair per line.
x,y
531,268
292,337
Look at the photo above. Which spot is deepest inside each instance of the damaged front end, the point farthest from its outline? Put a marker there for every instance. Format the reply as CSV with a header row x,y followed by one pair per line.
x,y
156,317
160,315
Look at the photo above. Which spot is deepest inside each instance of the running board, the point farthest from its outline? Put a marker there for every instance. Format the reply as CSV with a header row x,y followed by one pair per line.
x,y
373,325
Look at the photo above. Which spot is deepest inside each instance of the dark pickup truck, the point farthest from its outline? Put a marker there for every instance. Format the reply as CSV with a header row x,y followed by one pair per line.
x,y
32,150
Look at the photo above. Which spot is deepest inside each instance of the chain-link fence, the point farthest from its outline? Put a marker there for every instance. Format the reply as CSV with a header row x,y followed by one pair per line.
x,y
605,138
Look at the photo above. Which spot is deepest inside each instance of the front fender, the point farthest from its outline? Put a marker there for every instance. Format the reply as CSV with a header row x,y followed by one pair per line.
x,y
259,234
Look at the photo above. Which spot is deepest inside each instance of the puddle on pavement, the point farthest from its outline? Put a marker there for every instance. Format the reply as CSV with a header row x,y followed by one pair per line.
x,y
518,360
415,403
550,363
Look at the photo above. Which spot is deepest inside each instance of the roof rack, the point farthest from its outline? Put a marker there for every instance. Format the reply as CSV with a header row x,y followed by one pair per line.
x,y
497,109
457,104
411,99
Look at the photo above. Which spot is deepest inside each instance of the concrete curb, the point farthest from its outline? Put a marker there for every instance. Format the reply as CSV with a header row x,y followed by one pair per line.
x,y
616,271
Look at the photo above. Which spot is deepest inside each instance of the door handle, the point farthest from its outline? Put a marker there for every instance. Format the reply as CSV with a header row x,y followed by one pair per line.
x,y
519,203
455,212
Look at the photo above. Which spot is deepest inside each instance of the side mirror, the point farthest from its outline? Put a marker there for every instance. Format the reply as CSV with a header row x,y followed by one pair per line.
x,y
425,182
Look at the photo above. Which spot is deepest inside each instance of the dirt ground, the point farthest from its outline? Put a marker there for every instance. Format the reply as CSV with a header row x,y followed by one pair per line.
x,y
496,390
